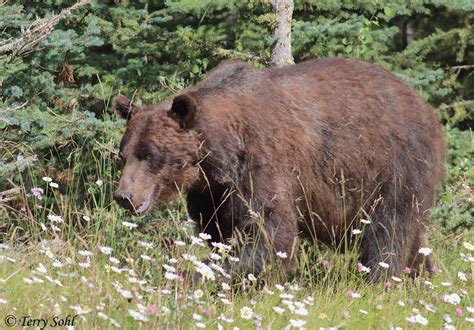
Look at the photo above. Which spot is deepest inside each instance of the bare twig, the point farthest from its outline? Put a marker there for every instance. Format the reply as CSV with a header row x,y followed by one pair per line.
x,y
235,53
9,195
37,32
460,67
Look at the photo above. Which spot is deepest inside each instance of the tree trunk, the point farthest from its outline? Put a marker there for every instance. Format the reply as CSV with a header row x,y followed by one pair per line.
x,y
281,52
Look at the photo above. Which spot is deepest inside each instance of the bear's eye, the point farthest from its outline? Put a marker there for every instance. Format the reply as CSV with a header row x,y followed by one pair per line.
x,y
150,153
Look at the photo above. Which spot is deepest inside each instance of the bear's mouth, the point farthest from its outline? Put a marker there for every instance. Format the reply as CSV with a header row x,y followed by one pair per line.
x,y
144,206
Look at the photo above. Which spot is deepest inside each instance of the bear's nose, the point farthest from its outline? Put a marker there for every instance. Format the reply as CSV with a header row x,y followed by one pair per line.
x,y
124,199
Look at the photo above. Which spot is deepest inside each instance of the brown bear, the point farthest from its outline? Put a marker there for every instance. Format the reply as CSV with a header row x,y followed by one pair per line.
x,y
307,150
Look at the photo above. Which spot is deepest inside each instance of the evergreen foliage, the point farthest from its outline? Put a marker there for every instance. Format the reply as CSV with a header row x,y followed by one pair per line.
x,y
55,100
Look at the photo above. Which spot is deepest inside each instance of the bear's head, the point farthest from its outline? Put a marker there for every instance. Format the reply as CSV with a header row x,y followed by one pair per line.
x,y
159,152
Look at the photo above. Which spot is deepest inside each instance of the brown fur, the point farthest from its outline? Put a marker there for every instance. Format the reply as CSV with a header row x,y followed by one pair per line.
x,y
312,147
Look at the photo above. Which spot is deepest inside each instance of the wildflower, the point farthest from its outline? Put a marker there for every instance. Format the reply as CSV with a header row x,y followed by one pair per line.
x,y
215,256
297,323
281,255
279,287
295,287
234,259
354,295
37,192
267,291
169,268
114,260
462,276
99,182
325,263
407,270
49,254
179,243
253,214
129,225
197,317
362,268
468,246
226,301
384,265
125,293
86,218
288,296
85,253
246,313
36,280
356,231
3,301
345,314
279,310
221,247
225,286
84,264
146,257
41,268
226,320
198,294
425,251
196,241
137,315
396,279
55,228
322,315
55,218
417,319
446,283
206,272
470,309
47,179
252,278
200,325
53,185
146,245
205,236
301,311
458,312
106,249
57,264
80,310
452,298
365,221
171,276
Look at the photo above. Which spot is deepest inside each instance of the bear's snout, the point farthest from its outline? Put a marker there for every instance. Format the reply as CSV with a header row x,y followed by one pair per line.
x,y
124,199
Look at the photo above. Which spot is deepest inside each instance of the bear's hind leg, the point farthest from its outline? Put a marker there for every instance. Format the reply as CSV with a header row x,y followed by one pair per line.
x,y
385,242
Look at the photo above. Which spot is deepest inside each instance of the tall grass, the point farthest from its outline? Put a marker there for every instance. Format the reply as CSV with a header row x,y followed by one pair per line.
x,y
48,273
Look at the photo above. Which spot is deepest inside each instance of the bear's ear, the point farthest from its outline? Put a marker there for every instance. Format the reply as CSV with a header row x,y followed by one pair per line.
x,y
123,106
183,110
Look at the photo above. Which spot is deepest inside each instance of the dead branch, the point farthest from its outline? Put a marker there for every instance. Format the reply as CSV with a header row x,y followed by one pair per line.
x,y
37,32
234,53
9,195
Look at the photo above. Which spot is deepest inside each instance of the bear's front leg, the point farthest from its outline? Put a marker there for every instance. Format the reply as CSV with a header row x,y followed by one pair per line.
x,y
263,240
